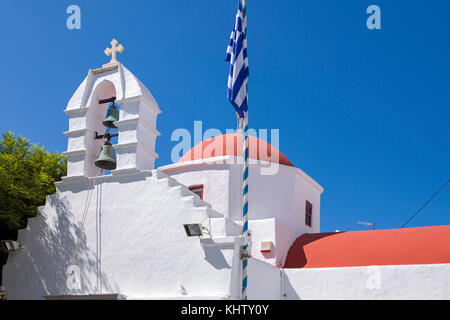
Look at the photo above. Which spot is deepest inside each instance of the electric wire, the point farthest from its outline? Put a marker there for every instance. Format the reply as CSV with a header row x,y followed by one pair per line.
x,y
424,205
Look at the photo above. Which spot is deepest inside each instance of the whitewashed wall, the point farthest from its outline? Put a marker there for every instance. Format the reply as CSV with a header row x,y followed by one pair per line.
x,y
276,202
374,282
282,196
408,282
215,181
144,250
264,281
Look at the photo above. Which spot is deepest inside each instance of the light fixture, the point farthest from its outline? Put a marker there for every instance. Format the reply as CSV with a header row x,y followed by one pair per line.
x,y
266,247
193,229
10,245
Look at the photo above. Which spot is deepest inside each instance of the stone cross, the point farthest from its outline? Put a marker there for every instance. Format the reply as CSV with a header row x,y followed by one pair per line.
x,y
113,51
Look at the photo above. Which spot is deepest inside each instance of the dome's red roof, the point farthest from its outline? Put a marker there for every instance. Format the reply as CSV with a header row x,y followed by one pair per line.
x,y
231,145
423,245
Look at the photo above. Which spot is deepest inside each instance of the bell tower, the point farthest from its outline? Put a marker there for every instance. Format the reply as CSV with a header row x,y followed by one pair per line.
x,y
136,126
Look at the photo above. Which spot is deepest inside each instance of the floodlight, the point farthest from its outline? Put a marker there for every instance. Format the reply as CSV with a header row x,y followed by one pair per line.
x,y
193,229
10,245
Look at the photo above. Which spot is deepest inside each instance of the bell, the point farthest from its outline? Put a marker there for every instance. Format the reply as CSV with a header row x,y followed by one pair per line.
x,y
111,116
107,159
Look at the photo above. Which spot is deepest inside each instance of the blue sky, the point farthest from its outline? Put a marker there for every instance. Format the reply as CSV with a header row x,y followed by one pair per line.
x,y
364,112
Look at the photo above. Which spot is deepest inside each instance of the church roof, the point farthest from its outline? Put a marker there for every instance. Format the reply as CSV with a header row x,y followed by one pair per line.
x,y
422,245
231,145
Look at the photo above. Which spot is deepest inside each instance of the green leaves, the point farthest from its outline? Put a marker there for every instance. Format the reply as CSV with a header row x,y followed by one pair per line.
x,y
27,175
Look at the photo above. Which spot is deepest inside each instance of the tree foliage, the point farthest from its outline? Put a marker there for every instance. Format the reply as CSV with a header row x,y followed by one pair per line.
x,y
27,175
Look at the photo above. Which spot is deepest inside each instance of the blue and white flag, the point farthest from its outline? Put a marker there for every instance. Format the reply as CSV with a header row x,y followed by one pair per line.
x,y
237,56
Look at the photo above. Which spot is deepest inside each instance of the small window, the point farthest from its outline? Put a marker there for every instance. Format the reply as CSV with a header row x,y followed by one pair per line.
x,y
308,214
198,190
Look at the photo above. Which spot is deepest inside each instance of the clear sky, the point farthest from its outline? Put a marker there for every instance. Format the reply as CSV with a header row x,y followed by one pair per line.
x,y
364,112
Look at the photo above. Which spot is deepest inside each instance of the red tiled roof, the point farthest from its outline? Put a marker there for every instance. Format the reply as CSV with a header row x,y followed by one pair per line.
x,y
423,245
217,146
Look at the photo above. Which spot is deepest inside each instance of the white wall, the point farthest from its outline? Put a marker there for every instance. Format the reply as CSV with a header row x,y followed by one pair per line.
x,y
263,281
280,234
215,181
276,207
134,228
282,196
412,282
374,282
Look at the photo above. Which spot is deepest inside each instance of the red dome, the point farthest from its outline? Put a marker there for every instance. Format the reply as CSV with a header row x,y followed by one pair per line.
x,y
231,145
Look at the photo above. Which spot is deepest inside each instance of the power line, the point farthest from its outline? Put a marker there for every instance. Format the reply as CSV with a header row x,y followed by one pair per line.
x,y
415,214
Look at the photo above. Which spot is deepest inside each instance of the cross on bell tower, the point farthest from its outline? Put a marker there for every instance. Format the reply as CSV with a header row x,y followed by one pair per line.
x,y
113,52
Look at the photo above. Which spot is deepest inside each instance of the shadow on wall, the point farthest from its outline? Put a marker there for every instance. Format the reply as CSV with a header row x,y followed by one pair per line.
x,y
214,255
289,292
41,267
296,257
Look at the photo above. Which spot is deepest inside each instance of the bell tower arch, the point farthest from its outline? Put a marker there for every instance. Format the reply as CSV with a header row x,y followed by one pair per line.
x,y
94,121
138,111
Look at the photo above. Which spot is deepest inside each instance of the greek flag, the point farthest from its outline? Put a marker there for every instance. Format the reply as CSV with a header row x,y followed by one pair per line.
x,y
237,57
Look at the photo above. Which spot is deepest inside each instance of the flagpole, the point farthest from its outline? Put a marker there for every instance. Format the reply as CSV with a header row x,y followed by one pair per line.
x,y
245,178
245,207
237,94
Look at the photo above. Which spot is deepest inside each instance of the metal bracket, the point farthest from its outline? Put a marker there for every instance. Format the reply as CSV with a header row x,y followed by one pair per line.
x,y
106,136
112,99
244,254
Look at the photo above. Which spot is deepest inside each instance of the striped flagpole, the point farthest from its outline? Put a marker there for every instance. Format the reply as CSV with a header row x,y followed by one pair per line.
x,y
237,95
245,207
245,177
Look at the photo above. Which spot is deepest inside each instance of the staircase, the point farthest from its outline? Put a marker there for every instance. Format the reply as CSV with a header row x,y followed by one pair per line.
x,y
218,225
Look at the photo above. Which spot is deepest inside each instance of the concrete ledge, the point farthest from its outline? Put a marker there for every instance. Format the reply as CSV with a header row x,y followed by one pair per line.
x,y
106,67
215,242
110,296
72,179
186,297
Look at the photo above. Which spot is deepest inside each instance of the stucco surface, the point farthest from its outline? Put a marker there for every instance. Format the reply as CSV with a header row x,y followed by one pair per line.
x,y
371,282
133,242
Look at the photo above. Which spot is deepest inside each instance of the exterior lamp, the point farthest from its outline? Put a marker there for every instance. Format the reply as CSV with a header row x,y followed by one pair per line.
x,y
10,245
194,229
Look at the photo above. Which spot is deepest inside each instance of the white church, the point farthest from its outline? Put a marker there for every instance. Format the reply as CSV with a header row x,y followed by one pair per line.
x,y
174,232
